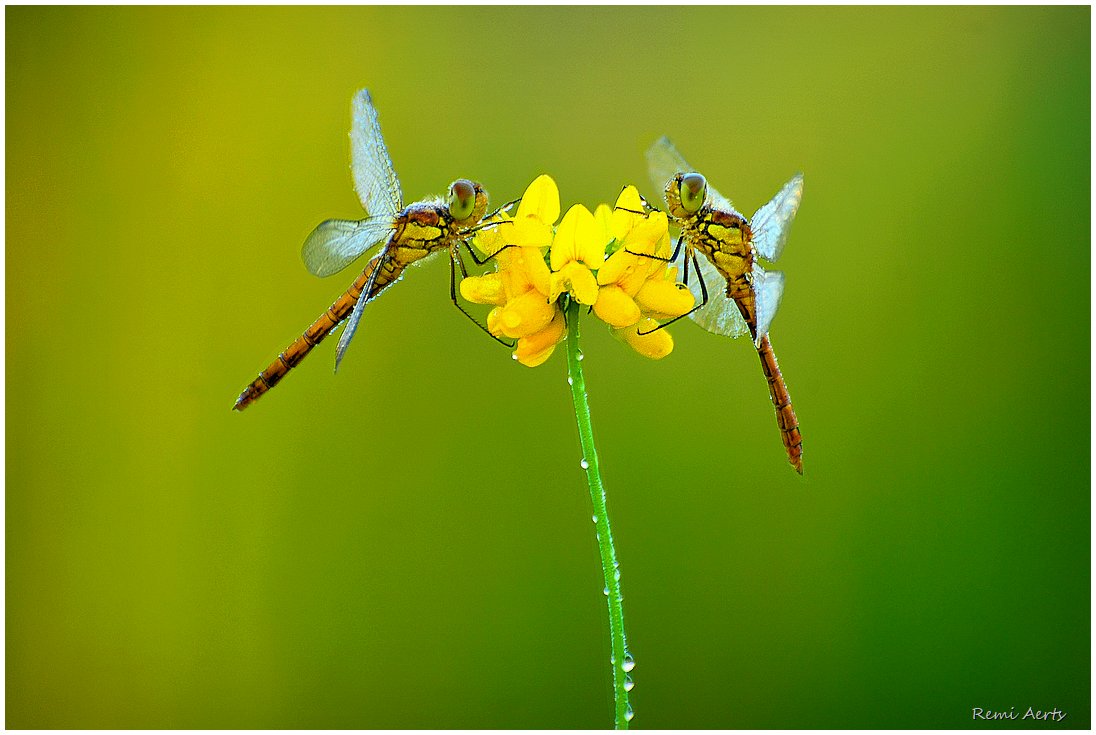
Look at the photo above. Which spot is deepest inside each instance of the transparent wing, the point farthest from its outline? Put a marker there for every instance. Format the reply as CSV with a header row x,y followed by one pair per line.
x,y
720,315
374,179
356,315
768,289
337,243
664,162
771,223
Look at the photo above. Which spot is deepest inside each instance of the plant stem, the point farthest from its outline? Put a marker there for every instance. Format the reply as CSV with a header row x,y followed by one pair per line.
x,y
621,660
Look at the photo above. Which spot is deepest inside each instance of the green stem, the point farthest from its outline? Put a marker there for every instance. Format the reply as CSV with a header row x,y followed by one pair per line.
x,y
621,660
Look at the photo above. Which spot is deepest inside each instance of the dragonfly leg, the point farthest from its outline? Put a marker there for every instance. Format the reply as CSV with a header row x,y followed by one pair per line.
x,y
489,258
503,208
648,255
455,261
703,294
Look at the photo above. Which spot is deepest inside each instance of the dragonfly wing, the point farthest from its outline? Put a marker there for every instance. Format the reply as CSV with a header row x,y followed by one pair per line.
x,y
359,308
336,243
768,289
720,315
374,178
664,162
771,223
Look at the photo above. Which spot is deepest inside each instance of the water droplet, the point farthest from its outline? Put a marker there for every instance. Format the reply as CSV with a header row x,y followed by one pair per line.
x,y
605,592
629,663
514,356
628,684
584,464
580,356
616,575
570,380
629,714
594,519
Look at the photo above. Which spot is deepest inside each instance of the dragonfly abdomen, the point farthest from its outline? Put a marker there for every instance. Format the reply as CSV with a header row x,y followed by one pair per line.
x,y
782,402
319,329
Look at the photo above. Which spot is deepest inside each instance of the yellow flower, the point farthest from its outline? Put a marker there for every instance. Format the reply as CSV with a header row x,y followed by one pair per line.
x,y
630,290
578,249
635,290
519,288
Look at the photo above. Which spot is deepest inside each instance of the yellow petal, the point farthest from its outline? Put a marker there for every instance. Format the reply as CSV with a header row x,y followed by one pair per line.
x,y
578,237
529,231
485,289
494,322
616,266
654,345
630,199
665,297
616,308
645,236
663,250
627,213
536,348
526,314
603,218
563,244
577,280
491,239
524,269
540,200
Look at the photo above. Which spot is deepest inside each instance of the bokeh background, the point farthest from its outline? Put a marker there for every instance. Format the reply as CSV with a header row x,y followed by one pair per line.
x,y
408,544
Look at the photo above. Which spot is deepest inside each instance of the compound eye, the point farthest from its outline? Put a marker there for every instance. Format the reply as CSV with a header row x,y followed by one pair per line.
x,y
462,199
693,190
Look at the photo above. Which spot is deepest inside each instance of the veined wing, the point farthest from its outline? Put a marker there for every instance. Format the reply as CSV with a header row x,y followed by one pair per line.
x,y
374,178
356,315
337,243
770,224
664,162
720,315
768,287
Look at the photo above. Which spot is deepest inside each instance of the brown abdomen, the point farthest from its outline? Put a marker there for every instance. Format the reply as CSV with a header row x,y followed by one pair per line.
x,y
319,329
782,402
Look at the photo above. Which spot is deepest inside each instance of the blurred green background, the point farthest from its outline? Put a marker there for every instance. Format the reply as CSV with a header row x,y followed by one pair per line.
x,y
408,544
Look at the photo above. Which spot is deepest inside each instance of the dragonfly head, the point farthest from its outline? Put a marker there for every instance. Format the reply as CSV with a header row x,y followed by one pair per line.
x,y
467,202
685,194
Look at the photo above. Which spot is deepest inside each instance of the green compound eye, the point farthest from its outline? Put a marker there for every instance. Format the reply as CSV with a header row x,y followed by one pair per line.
x,y
693,190
462,199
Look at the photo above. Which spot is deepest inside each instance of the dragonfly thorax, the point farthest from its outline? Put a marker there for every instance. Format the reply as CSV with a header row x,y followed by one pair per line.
x,y
423,226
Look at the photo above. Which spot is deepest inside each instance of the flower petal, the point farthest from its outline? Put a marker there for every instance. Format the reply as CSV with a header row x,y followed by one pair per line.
x,y
665,297
577,280
630,199
523,269
536,348
616,308
485,289
583,284
603,219
526,314
563,244
646,235
540,200
490,240
654,344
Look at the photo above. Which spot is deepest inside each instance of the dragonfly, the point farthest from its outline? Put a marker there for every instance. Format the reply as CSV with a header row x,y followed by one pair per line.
x,y
395,235
731,245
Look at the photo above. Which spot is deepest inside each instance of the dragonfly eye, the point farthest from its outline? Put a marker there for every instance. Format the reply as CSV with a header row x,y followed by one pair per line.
x,y
693,190
462,199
